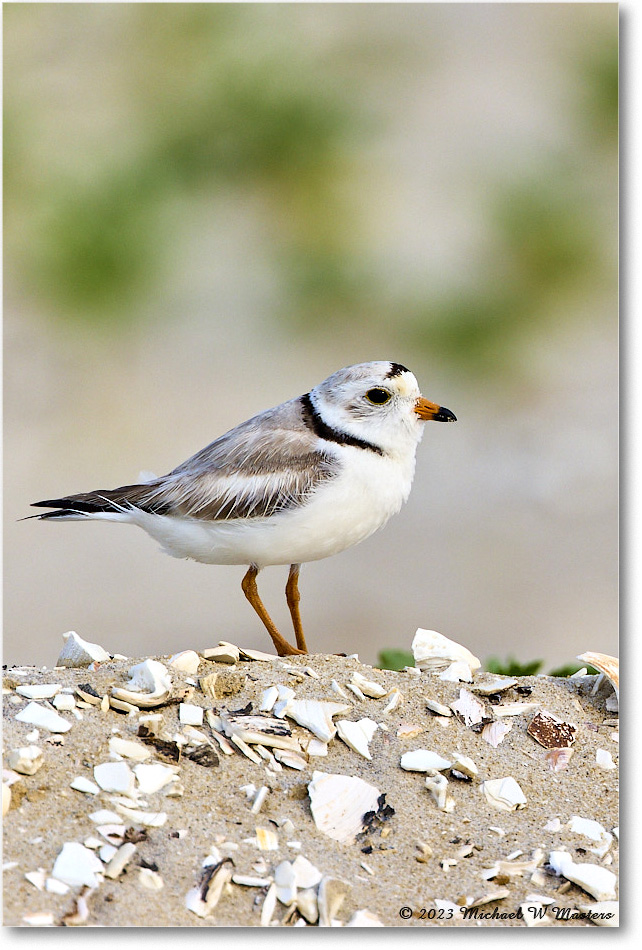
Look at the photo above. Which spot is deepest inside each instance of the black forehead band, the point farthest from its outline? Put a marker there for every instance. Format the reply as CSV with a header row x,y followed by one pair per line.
x,y
396,369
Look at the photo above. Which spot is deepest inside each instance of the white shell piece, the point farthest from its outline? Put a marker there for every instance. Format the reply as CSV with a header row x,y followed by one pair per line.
x,y
64,702
308,905
593,830
77,652
434,652
393,702
496,732
316,716
306,874
268,698
339,802
496,685
223,653
39,691
189,714
120,860
256,655
43,718
204,899
54,886
330,896
106,852
154,776
503,793
246,880
82,784
104,817
457,672
462,763
437,785
514,709
438,708
423,760
77,866
151,819
129,749
150,880
357,735
604,759
335,686
285,694
26,760
150,676
285,883
369,687
597,881
602,913
187,661
269,905
357,692
259,798
114,777
37,878
468,707
316,747
267,839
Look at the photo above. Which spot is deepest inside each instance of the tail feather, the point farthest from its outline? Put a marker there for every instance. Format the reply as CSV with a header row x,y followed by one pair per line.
x,y
98,502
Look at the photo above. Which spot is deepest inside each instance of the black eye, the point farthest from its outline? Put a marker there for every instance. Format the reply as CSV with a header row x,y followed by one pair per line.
x,y
377,396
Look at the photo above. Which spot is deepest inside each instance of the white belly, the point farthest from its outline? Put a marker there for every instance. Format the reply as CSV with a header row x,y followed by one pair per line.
x,y
343,511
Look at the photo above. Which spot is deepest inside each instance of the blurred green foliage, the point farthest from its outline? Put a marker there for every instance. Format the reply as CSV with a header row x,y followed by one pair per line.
x,y
396,660
220,98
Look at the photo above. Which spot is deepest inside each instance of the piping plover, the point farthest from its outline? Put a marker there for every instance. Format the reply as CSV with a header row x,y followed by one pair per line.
x,y
293,484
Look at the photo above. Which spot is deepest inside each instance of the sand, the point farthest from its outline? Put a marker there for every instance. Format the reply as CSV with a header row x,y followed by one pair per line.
x,y
416,867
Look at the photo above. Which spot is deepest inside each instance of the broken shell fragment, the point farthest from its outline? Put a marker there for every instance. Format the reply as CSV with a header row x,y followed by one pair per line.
x,y
316,716
597,881
558,759
423,760
609,665
457,672
497,684
434,652
26,760
223,653
43,717
120,860
39,691
468,707
439,708
369,687
465,765
551,732
77,652
513,709
202,900
77,865
357,735
331,895
495,732
503,793
128,749
339,803
437,785
152,778
187,661
114,777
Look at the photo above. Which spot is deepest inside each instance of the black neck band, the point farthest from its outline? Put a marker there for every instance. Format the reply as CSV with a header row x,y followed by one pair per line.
x,y
314,421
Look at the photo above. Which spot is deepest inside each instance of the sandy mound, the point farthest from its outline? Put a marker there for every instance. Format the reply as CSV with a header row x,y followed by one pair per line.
x,y
222,831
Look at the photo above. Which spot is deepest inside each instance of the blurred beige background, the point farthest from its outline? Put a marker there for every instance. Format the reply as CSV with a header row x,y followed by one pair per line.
x,y
209,208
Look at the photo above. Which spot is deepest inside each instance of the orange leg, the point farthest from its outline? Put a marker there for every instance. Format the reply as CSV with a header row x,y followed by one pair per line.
x,y
248,585
293,597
